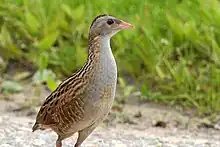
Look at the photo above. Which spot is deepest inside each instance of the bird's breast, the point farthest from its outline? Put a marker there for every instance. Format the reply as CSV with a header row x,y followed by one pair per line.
x,y
101,91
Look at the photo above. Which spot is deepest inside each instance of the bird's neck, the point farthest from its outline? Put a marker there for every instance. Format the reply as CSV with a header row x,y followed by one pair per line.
x,y
100,58
94,47
99,48
100,54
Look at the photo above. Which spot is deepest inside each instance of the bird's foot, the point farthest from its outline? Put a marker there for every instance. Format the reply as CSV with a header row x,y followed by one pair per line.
x,y
77,145
58,144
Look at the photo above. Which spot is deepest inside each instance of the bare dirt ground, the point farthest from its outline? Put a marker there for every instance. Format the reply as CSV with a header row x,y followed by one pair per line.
x,y
134,124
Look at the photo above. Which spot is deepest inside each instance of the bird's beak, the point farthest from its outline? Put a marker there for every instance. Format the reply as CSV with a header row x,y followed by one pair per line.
x,y
125,25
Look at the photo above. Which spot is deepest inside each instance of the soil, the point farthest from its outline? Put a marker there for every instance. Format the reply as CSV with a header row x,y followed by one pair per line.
x,y
132,124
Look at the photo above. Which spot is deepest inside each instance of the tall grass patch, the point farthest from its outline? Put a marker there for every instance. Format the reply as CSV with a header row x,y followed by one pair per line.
x,y
173,53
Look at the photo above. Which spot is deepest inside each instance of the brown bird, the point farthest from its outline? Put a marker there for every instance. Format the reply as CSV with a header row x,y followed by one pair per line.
x,y
81,102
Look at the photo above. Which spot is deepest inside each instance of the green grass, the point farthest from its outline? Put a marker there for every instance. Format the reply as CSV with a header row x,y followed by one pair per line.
x,y
173,52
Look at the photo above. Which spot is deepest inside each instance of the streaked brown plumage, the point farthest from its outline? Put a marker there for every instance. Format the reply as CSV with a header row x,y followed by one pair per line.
x,y
81,102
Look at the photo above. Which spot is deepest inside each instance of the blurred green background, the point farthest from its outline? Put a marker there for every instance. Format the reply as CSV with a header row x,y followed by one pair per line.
x,y
171,56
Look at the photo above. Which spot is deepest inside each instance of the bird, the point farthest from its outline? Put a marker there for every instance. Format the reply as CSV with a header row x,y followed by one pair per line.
x,y
82,101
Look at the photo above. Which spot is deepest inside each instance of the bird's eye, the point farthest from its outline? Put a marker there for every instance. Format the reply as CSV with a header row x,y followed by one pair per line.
x,y
110,21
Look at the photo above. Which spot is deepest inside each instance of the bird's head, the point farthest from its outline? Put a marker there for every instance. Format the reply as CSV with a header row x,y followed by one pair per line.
x,y
106,25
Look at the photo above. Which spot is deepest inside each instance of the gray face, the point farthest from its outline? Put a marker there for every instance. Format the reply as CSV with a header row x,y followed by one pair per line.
x,y
105,26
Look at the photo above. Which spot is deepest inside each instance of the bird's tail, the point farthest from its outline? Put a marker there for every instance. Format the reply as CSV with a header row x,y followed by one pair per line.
x,y
35,127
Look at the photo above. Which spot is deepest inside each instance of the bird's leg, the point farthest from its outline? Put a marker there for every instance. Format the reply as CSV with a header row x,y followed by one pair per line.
x,y
59,141
83,134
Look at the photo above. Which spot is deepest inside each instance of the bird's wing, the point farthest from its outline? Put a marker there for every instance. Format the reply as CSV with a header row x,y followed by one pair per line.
x,y
64,105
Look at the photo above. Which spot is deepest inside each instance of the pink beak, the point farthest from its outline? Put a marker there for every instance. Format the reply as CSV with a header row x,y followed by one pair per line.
x,y
125,25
